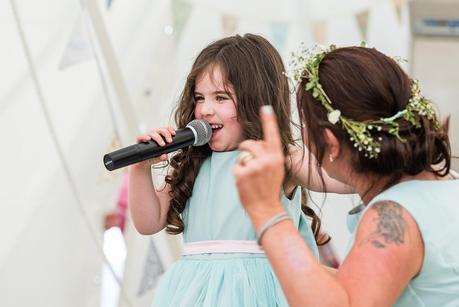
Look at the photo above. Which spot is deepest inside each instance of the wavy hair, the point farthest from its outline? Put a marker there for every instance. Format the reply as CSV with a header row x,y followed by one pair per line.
x,y
364,84
253,67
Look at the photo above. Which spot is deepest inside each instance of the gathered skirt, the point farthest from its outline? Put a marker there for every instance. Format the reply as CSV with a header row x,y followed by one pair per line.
x,y
212,280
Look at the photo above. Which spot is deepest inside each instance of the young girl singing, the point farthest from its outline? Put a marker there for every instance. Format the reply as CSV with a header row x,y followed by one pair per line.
x,y
222,264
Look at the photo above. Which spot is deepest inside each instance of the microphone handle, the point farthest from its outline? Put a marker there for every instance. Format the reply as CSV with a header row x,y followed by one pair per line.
x,y
147,150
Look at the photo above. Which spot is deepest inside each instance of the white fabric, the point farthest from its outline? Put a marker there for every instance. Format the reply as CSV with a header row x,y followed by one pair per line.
x,y
221,247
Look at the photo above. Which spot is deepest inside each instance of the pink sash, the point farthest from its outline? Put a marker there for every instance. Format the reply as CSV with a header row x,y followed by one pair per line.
x,y
221,247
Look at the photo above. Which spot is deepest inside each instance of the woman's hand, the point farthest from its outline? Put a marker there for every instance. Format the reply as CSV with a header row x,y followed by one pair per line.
x,y
160,136
260,172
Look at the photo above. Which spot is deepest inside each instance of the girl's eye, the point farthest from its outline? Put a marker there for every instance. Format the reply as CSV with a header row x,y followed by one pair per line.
x,y
198,98
222,98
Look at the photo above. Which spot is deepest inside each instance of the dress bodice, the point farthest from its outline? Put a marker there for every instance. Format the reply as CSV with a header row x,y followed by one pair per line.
x,y
214,211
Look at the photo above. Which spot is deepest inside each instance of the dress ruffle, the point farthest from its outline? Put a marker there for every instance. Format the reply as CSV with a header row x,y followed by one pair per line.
x,y
220,280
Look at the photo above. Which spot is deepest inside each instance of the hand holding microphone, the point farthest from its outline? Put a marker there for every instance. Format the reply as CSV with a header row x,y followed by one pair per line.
x,y
196,133
161,136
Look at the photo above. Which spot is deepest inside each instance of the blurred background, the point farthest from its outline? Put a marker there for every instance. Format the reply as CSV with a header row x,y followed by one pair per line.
x,y
81,78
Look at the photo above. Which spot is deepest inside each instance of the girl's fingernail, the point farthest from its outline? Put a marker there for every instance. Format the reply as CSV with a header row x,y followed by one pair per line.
x,y
267,109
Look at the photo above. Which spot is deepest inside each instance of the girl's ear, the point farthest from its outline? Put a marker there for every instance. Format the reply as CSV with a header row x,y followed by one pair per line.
x,y
334,147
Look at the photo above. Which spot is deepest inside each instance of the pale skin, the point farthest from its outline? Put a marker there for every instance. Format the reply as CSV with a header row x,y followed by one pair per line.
x,y
388,248
149,206
214,104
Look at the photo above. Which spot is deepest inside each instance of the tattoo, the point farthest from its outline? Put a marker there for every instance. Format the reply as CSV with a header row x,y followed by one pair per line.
x,y
391,225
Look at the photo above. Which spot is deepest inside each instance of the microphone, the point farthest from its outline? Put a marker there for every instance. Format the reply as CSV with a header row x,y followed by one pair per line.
x,y
197,133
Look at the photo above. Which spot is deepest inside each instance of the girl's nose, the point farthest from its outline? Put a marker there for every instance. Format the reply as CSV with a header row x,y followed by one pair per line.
x,y
207,108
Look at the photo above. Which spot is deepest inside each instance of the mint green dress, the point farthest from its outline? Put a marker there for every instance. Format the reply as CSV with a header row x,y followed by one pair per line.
x,y
214,212
434,205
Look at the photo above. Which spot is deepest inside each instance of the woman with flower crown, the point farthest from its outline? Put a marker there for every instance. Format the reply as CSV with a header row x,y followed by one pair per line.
x,y
368,125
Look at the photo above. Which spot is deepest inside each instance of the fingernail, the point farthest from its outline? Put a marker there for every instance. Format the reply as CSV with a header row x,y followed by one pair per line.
x,y
267,109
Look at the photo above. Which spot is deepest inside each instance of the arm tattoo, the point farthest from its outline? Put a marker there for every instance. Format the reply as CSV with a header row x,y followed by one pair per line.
x,y
391,225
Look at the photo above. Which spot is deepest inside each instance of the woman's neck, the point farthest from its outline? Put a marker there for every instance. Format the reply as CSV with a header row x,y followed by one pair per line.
x,y
368,187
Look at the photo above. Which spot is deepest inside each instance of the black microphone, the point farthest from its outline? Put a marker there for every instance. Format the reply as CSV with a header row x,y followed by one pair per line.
x,y
197,133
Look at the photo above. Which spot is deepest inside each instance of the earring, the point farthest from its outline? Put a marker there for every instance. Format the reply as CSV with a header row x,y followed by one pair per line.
x,y
330,157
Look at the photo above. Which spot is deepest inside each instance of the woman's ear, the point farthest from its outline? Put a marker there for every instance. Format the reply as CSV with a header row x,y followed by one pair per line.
x,y
334,147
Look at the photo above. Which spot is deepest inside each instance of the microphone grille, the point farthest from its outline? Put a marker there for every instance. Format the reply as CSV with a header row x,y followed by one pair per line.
x,y
202,131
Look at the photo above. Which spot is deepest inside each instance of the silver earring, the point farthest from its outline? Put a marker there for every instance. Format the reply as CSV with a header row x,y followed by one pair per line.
x,y
330,157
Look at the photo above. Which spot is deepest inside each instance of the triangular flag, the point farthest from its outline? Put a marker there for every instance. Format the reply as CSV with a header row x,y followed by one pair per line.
x,y
78,47
181,10
398,8
229,24
279,32
153,269
319,30
362,21
109,4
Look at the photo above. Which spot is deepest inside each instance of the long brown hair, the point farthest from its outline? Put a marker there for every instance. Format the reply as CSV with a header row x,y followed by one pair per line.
x,y
365,84
253,67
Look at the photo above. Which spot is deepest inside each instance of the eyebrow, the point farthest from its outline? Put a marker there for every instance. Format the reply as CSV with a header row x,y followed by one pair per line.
x,y
216,92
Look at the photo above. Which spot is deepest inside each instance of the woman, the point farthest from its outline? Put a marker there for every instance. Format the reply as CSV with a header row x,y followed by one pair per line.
x,y
368,126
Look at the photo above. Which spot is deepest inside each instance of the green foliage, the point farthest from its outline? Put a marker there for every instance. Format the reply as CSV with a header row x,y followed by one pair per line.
x,y
305,63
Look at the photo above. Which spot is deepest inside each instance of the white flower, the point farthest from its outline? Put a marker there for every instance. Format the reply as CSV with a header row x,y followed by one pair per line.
x,y
319,48
333,117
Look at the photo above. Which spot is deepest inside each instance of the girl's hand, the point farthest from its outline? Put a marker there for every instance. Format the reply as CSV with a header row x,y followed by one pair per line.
x,y
260,172
160,136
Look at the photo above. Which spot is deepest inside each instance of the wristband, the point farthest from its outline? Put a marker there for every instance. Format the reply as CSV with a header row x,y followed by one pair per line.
x,y
270,223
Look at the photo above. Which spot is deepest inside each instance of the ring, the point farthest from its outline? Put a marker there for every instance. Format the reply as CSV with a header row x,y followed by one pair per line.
x,y
245,157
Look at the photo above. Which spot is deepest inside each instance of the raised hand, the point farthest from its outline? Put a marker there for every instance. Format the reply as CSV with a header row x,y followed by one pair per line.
x,y
260,171
161,136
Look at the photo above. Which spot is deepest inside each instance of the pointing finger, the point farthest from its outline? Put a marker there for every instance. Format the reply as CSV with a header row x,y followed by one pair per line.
x,y
270,128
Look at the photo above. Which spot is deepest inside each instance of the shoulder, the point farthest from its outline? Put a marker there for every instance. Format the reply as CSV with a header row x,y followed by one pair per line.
x,y
417,197
389,231
386,223
388,251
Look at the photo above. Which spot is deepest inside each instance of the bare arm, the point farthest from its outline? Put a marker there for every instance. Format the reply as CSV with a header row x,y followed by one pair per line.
x,y
386,255
299,164
147,205
388,251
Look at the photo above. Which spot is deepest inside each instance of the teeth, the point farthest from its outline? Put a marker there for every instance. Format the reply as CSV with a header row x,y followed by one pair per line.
x,y
216,126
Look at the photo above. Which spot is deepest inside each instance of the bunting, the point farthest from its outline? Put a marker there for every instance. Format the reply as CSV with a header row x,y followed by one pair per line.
x,y
362,21
78,48
279,33
319,31
181,10
229,24
398,8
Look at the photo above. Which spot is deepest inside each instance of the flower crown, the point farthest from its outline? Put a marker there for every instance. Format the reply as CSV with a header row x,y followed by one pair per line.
x,y
305,64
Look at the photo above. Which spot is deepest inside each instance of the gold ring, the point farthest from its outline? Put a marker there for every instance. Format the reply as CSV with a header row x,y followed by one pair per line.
x,y
245,157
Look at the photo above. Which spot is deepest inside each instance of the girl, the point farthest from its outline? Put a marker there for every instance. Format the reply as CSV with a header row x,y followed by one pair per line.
x,y
368,126
222,265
